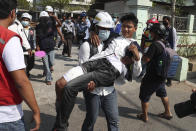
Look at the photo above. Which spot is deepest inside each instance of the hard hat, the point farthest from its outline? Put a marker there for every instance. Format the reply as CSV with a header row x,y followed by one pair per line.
x,y
26,15
103,19
159,29
83,14
49,9
43,14
153,20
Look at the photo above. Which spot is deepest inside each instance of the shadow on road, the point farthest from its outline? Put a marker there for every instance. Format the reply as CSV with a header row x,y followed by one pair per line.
x,y
47,121
151,115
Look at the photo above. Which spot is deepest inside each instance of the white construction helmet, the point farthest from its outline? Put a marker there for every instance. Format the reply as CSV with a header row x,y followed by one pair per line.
x,y
26,15
103,19
49,8
43,14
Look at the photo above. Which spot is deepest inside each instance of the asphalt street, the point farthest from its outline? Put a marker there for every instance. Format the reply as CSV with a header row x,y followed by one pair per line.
x,y
128,101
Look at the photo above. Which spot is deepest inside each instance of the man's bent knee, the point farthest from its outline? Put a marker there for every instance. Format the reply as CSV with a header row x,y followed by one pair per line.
x,y
59,86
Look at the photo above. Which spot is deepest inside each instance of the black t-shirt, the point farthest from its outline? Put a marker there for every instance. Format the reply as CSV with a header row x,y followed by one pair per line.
x,y
154,51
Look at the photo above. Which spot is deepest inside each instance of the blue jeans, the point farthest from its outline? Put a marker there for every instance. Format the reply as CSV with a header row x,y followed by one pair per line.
x,y
48,62
108,104
13,126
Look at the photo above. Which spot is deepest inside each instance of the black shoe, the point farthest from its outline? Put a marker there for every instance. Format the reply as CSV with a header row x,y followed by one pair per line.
x,y
169,84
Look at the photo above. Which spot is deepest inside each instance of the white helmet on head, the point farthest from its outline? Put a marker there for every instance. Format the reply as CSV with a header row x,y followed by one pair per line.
x,y
103,19
49,9
43,14
26,15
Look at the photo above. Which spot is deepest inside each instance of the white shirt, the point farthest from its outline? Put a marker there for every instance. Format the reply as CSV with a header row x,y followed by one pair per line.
x,y
14,60
70,27
18,28
114,53
84,54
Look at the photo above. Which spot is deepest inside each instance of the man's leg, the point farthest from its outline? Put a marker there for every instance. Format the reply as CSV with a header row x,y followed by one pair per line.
x,y
92,102
110,107
165,101
45,60
70,41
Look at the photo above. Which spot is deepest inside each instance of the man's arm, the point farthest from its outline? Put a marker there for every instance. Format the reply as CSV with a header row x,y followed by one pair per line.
x,y
26,92
60,34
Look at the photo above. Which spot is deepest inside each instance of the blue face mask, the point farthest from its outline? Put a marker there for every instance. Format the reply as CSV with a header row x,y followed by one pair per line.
x,y
104,34
25,23
114,19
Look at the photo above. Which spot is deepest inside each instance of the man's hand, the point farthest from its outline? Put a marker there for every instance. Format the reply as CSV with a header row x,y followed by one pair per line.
x,y
127,60
94,38
91,86
29,52
36,118
37,48
135,52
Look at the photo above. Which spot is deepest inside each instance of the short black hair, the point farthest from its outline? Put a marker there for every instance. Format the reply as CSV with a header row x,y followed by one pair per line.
x,y
167,18
130,17
6,6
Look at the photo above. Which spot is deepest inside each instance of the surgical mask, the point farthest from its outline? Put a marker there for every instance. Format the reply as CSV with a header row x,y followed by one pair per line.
x,y
114,19
25,23
104,34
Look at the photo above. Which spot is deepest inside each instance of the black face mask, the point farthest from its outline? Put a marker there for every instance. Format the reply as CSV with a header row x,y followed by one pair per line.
x,y
165,23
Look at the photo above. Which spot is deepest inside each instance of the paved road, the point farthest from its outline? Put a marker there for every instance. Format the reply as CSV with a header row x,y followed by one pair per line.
x,y
129,103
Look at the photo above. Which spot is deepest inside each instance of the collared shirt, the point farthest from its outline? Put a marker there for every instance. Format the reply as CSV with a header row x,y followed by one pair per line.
x,y
18,28
84,54
69,26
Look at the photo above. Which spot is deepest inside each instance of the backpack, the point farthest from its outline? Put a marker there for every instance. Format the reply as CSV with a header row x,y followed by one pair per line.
x,y
167,63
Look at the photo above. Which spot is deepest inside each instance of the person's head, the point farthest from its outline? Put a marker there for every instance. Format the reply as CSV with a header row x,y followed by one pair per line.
x,y
43,17
104,23
129,25
83,16
150,22
25,19
69,18
8,11
115,18
50,10
158,31
64,17
166,21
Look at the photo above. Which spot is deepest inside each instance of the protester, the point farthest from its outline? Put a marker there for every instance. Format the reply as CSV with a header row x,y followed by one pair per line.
x,y
152,82
45,33
103,69
18,28
100,96
146,41
30,34
171,38
14,84
68,30
117,27
83,28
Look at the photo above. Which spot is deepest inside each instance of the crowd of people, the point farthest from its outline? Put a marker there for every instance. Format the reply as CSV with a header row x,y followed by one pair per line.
x,y
108,54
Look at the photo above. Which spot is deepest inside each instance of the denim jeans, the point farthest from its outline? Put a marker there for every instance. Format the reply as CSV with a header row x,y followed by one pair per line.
x,y
109,106
13,126
48,62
